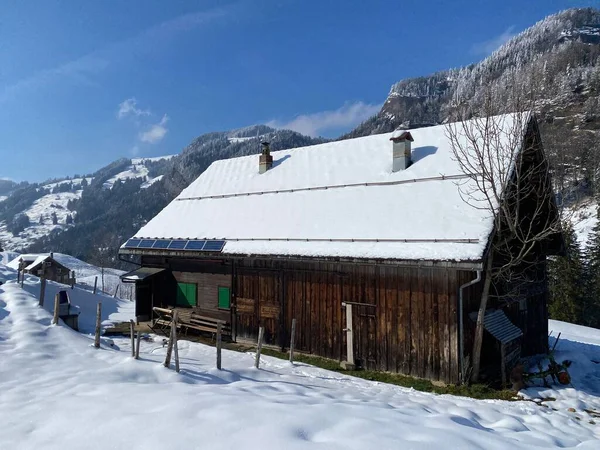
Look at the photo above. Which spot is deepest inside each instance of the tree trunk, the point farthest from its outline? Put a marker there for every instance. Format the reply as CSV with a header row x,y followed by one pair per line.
x,y
476,357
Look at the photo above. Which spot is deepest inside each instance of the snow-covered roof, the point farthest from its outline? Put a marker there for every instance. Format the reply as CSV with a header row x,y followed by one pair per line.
x,y
338,199
31,259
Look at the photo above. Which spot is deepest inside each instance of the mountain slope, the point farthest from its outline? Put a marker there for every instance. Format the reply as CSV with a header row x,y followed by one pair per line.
x,y
116,203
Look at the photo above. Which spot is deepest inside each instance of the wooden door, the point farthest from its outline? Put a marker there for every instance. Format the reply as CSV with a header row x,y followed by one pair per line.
x,y
364,335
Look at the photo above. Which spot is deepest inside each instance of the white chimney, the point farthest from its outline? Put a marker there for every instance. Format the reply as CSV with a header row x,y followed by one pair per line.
x,y
401,151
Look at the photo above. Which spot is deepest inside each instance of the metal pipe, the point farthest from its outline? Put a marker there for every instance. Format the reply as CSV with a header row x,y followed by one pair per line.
x,y
461,351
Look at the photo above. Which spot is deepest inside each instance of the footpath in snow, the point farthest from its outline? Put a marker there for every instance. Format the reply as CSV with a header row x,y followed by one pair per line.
x,y
58,392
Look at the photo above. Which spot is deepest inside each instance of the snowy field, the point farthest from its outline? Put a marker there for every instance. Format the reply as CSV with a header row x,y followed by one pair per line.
x,y
41,208
58,392
137,169
85,274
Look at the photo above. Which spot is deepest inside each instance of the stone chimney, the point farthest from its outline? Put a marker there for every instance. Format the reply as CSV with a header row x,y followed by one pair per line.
x,y
401,151
265,161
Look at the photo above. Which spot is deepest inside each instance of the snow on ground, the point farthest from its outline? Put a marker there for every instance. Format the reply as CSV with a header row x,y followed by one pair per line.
x,y
6,257
58,392
584,219
85,274
76,182
44,206
3,197
137,169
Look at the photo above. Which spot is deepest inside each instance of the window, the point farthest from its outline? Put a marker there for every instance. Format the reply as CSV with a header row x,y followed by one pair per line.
x,y
186,294
224,298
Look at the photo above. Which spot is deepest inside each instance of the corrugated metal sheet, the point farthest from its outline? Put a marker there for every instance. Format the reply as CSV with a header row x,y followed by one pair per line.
x,y
499,326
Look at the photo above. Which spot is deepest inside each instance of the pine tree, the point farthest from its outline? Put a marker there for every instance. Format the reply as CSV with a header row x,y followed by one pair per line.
x,y
591,304
566,281
54,219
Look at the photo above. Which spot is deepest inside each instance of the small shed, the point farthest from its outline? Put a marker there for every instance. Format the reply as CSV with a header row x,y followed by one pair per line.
x,y
38,264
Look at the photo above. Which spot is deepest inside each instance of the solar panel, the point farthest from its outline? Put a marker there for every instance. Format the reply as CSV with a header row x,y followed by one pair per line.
x,y
132,243
161,243
195,245
177,245
213,246
146,243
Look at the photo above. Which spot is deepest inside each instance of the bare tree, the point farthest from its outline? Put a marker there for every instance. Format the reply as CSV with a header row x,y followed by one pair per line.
x,y
507,175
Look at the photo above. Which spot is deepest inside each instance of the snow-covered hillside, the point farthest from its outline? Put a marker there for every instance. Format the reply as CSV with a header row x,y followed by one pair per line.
x,y
58,392
108,280
41,220
584,219
137,169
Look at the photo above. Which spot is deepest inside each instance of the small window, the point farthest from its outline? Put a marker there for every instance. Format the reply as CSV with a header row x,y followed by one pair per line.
x,y
224,298
186,294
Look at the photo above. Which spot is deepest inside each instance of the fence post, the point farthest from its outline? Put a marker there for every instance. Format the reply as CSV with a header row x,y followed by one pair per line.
x,y
42,289
95,284
292,337
261,331
169,347
175,347
56,306
98,323
219,345
132,332
137,344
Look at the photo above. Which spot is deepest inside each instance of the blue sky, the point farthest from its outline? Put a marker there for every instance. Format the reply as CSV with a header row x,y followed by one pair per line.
x,y
84,83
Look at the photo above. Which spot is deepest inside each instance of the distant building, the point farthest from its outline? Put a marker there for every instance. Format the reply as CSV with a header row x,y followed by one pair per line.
x,y
34,263
367,243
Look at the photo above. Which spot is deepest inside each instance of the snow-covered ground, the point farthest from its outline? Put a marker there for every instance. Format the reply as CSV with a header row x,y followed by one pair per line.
x,y
137,169
3,197
42,207
6,257
584,218
75,181
58,392
85,273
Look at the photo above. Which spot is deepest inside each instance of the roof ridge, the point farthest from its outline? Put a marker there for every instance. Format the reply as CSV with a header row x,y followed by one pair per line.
x,y
335,186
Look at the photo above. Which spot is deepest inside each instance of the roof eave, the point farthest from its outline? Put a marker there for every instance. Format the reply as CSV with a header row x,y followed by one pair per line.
x,y
470,265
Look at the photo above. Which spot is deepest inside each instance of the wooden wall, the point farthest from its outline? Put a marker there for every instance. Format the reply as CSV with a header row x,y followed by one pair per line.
x,y
407,321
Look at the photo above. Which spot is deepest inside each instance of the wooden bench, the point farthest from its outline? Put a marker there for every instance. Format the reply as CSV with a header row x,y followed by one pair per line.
x,y
207,324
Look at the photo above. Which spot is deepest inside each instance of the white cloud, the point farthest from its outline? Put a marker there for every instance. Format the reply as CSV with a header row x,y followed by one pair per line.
x,y
85,69
345,117
489,46
129,108
156,132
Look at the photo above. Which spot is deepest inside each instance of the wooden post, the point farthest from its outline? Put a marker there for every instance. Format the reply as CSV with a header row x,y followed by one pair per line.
x,y
349,363
132,332
116,291
95,284
98,324
169,348
56,309
42,289
137,344
261,331
72,279
503,364
219,345
175,347
102,279
292,340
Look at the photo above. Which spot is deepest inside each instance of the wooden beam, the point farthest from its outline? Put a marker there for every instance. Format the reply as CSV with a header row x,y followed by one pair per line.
x,y
56,309
261,331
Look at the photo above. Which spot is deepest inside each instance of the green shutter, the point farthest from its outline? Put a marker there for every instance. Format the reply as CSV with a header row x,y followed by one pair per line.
x,y
224,298
186,294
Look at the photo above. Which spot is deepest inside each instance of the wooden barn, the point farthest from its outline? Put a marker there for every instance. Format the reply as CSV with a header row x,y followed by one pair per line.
x,y
35,263
368,243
